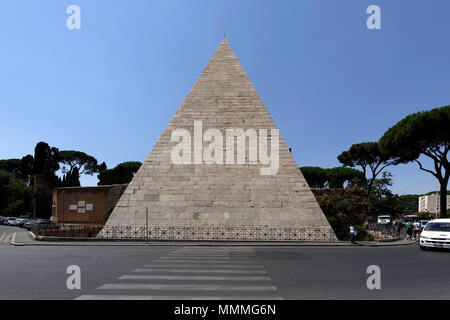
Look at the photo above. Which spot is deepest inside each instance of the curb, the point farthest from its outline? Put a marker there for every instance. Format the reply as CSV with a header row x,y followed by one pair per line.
x,y
12,240
41,241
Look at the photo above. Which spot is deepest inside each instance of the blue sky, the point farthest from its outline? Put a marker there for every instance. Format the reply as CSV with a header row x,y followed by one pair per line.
x,y
110,88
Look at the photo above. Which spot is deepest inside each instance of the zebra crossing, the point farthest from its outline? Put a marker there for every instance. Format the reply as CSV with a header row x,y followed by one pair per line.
x,y
193,273
5,237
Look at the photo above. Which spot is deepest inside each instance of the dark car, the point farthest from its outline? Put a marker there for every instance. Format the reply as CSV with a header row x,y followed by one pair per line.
x,y
40,223
3,220
34,222
27,225
21,222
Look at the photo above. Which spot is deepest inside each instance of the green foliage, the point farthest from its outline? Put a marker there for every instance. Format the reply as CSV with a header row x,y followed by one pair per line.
x,y
423,133
76,163
370,158
383,201
341,205
338,177
122,173
26,167
419,133
408,203
21,168
434,192
45,162
347,205
423,215
11,165
71,178
15,196
334,222
315,176
102,166
33,178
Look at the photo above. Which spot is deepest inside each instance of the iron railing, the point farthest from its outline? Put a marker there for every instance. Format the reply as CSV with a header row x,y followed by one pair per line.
x,y
100,231
218,233
382,231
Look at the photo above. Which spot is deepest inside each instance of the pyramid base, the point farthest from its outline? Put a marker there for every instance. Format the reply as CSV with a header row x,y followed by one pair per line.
x,y
208,233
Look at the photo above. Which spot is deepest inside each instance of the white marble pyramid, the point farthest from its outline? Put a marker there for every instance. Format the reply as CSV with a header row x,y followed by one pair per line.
x,y
210,196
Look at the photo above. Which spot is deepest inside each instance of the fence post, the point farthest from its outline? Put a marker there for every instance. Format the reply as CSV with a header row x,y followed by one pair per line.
x,y
146,223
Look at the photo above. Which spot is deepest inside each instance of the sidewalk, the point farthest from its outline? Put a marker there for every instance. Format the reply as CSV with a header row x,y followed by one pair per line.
x,y
24,238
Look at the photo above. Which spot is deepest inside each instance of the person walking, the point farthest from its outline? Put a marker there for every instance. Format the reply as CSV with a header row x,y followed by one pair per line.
x,y
352,234
416,229
409,230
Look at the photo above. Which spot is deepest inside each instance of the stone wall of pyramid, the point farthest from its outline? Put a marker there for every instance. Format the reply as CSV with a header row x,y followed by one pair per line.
x,y
194,195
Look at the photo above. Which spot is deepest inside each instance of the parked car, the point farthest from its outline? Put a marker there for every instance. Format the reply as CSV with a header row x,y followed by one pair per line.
x,y
27,225
384,220
436,234
11,221
3,220
48,224
21,222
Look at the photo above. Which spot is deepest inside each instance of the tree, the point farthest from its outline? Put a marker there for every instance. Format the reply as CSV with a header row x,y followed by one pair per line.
x,y
122,173
45,162
102,166
338,176
423,133
13,166
71,179
45,165
316,177
26,168
76,163
369,157
15,195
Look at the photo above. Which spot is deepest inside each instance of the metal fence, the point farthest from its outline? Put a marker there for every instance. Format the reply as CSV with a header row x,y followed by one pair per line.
x,y
100,231
382,231
218,233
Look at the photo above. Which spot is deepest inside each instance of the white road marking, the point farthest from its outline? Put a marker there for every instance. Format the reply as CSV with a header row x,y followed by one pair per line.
x,y
1,238
192,257
203,255
194,278
213,251
196,266
185,287
204,261
203,271
123,297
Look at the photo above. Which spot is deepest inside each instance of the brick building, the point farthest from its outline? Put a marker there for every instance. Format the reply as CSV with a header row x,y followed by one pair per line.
x,y
85,204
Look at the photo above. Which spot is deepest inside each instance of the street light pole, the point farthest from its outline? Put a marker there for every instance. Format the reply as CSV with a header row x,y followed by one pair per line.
x,y
146,222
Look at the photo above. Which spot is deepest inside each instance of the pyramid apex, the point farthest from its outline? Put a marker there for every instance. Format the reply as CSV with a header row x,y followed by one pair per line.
x,y
224,41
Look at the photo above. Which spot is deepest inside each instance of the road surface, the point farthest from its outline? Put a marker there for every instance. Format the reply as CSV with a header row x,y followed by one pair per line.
x,y
188,272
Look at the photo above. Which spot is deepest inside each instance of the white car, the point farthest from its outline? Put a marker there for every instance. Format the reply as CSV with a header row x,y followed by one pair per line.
x,y
384,220
11,221
436,234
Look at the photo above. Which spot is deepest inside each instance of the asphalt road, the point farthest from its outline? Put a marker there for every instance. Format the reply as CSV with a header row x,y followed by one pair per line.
x,y
186,272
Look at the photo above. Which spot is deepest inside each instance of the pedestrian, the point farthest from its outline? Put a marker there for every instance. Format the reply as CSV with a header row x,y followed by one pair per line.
x,y
399,225
409,230
416,228
352,234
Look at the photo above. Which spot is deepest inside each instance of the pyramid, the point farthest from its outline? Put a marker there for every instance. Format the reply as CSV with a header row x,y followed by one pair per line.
x,y
236,197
